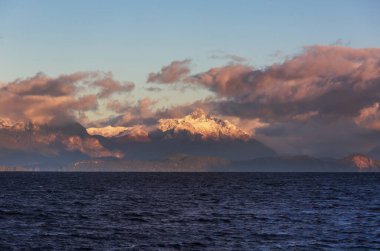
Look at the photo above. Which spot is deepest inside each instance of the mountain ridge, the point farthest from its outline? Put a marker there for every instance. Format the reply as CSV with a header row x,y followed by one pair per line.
x,y
197,125
207,142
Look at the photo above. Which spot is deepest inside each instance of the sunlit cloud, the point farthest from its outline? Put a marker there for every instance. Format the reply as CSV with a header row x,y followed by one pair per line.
x,y
171,73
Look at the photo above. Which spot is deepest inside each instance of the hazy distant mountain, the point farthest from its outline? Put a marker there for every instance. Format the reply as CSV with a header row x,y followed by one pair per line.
x,y
185,163
375,152
173,163
196,142
303,163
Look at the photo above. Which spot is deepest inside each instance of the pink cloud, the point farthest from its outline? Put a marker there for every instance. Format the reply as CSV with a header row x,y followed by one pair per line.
x,y
171,73
369,117
43,99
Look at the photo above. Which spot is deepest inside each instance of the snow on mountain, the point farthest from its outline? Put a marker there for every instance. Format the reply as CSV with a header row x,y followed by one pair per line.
x,y
198,123
137,133
108,131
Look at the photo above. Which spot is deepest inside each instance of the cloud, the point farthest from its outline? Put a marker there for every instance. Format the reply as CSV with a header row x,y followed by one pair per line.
x,y
89,146
369,117
171,73
292,105
305,116
334,138
42,85
130,114
153,89
231,57
330,80
110,86
229,81
322,100
64,99
303,99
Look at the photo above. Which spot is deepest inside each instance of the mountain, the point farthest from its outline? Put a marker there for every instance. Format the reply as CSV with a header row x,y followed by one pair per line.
x,y
200,125
375,152
186,163
199,134
196,142
108,131
32,145
196,134
173,163
27,143
303,163
134,133
196,126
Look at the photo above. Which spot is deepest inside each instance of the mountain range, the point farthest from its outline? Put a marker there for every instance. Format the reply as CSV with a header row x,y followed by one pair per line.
x,y
196,142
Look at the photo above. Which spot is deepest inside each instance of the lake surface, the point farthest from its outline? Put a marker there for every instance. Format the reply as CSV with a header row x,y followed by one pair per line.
x,y
189,211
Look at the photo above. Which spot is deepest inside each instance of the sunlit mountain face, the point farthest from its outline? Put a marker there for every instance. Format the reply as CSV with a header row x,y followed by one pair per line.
x,y
198,125
196,134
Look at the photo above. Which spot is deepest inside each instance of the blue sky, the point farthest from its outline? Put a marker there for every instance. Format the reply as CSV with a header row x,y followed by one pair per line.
x,y
133,38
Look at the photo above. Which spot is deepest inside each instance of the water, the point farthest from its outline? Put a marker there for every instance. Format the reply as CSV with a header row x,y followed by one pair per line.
x,y
189,211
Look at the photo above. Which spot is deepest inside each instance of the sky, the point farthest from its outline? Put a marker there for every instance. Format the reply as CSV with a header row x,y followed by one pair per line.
x,y
134,40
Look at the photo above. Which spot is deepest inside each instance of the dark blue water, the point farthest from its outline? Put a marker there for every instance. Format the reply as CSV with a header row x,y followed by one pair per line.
x,y
189,211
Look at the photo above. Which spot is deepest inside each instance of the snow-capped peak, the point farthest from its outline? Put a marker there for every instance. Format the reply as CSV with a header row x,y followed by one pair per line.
x,y
206,126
